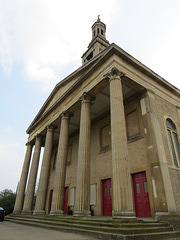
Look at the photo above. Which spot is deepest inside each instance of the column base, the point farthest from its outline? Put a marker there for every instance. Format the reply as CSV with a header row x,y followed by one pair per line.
x,y
159,214
165,215
39,213
84,213
18,212
57,212
27,212
124,215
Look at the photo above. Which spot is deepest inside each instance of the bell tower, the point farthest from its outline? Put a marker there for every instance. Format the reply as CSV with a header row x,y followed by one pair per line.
x,y
98,42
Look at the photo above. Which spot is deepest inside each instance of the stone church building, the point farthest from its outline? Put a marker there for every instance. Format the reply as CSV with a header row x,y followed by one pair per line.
x,y
111,133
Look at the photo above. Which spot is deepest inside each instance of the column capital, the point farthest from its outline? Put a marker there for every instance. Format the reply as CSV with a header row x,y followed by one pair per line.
x,y
50,127
86,97
66,114
29,144
38,136
114,74
150,91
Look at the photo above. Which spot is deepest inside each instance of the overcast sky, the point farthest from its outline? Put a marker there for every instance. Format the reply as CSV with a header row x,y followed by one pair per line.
x,y
42,41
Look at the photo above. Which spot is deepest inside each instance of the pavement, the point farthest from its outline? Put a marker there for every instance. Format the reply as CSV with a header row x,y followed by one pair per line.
x,y
14,231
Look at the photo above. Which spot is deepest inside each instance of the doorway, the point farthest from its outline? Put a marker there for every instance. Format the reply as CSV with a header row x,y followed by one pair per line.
x,y
65,202
50,199
107,197
141,195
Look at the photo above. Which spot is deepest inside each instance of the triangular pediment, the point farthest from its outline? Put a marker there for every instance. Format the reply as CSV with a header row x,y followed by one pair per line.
x,y
63,87
74,80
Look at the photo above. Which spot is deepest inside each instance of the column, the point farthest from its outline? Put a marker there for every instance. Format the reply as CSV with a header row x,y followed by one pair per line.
x,y
43,180
22,184
60,173
163,197
82,203
122,189
27,208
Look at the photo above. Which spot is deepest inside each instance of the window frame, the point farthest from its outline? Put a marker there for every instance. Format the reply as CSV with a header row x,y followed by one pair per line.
x,y
107,147
171,141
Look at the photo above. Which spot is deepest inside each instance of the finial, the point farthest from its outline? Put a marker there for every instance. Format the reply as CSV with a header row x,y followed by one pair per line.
x,y
98,18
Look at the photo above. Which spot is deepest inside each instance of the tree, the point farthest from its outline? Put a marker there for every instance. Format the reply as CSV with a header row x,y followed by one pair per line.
x,y
7,200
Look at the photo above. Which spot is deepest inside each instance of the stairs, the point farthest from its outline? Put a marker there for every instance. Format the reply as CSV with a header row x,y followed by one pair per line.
x,y
101,227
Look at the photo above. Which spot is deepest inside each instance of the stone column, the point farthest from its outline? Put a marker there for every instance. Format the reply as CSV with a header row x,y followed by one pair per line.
x,y
60,173
122,189
27,208
22,184
43,180
82,203
164,202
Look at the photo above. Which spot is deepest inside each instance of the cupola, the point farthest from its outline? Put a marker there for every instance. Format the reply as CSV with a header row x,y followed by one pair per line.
x,y
98,42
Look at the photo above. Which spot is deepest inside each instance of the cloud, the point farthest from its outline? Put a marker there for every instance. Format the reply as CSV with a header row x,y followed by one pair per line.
x,y
5,53
46,35
11,160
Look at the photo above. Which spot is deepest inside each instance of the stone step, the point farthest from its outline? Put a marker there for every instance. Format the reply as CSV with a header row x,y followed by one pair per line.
x,y
104,229
100,222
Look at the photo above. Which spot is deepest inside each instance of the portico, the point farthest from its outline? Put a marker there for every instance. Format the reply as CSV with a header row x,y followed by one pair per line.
x,y
88,108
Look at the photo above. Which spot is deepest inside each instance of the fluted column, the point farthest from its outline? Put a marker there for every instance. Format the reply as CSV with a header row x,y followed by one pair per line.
x,y
122,190
82,203
43,180
22,184
60,173
27,208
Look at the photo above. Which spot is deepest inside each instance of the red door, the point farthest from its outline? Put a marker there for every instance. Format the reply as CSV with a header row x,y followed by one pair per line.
x,y
141,196
107,197
65,203
50,201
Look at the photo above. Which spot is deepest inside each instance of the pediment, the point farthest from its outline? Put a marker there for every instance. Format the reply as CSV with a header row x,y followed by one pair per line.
x,y
61,89
74,80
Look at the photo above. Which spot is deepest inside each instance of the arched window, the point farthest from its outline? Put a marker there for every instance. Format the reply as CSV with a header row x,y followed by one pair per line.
x,y
173,140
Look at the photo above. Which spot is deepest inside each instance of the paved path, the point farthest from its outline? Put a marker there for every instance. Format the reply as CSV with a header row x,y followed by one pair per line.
x,y
14,231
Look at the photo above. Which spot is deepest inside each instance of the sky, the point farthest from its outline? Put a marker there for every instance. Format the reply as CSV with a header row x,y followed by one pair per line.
x,y
42,41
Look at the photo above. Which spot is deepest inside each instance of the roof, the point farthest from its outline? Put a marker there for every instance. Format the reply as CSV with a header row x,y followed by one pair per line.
x,y
87,69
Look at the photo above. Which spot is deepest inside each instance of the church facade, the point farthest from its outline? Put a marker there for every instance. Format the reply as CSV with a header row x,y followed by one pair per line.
x,y
111,134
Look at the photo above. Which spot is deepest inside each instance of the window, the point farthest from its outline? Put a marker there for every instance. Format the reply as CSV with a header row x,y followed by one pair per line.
x,y
102,32
137,188
173,141
105,137
90,56
132,123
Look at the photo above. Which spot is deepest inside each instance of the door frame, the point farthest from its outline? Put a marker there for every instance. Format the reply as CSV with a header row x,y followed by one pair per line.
x,y
65,210
151,203
50,200
102,202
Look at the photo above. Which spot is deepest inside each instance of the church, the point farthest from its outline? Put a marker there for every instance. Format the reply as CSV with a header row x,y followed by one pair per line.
x,y
111,138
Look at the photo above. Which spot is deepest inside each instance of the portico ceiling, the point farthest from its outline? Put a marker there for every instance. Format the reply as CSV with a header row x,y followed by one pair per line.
x,y
101,105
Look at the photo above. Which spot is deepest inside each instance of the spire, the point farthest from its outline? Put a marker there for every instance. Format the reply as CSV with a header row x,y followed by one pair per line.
x,y
98,42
